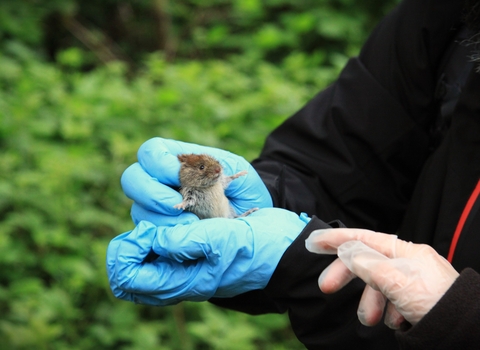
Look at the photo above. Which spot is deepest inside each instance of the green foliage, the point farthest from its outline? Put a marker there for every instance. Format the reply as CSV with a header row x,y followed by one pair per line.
x,y
73,112
66,138
120,29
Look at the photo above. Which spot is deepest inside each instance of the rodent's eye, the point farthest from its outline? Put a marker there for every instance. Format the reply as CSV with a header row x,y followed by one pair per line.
x,y
202,167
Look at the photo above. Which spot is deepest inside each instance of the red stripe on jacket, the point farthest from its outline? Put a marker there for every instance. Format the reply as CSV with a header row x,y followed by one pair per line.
x,y
461,222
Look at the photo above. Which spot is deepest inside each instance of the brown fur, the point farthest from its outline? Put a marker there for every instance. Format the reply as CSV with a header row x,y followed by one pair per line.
x,y
203,185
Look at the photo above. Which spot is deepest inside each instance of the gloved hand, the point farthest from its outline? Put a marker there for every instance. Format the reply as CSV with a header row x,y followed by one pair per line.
x,y
413,277
151,182
212,257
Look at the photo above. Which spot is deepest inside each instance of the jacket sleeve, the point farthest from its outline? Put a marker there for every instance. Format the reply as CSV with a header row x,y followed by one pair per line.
x,y
319,321
322,321
453,321
355,150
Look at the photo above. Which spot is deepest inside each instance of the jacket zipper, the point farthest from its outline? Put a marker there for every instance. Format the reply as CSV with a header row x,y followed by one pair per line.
x,y
463,218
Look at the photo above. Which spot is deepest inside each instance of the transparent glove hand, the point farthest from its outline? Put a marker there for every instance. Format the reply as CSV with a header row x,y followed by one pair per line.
x,y
413,277
151,182
204,259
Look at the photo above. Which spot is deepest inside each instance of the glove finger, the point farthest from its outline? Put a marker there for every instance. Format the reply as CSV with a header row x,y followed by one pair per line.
x,y
393,318
148,192
362,260
124,257
327,241
169,278
112,251
335,277
249,191
203,239
371,306
389,276
158,157
319,242
161,282
155,300
405,281
166,282
131,250
139,213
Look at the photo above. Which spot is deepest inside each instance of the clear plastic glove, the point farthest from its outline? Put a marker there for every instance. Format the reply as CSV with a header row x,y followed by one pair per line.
x,y
204,259
413,277
151,183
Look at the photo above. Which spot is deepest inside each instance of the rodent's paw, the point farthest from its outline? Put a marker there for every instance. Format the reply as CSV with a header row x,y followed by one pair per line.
x,y
248,212
240,173
179,206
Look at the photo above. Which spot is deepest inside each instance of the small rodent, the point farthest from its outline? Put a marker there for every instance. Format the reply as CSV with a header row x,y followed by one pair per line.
x,y
203,184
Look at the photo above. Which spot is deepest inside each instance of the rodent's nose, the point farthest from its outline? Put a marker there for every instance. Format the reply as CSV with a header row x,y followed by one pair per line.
x,y
217,170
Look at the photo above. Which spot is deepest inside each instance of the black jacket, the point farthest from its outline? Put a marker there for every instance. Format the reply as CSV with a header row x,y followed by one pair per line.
x,y
375,150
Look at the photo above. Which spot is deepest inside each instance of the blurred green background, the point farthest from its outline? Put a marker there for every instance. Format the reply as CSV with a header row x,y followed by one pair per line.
x,y
82,85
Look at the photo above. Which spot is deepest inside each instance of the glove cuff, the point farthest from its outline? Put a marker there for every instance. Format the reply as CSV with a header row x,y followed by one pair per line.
x,y
298,259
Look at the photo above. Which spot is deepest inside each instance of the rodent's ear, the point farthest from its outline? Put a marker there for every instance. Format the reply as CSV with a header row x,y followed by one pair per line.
x,y
182,158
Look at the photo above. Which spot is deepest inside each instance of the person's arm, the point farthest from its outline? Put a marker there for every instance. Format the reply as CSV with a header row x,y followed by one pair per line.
x,y
453,321
319,320
353,153
429,304
355,150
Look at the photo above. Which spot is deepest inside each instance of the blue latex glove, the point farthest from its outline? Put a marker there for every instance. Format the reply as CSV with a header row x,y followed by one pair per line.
x,y
150,183
207,258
